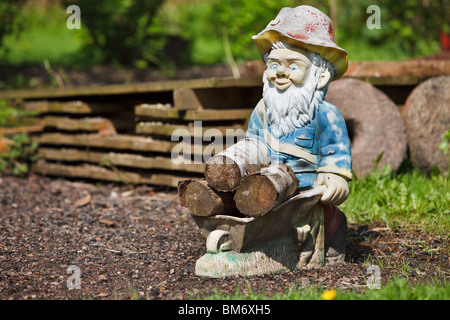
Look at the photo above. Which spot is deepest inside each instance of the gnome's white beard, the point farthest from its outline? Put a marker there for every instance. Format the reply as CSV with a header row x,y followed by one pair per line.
x,y
293,108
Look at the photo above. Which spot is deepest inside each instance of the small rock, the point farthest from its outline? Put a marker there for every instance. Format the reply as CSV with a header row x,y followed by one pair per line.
x,y
103,278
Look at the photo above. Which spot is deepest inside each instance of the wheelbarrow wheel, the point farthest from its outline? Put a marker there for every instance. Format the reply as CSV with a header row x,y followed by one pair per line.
x,y
218,241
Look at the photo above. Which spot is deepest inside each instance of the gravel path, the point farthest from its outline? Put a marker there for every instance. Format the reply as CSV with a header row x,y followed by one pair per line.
x,y
130,242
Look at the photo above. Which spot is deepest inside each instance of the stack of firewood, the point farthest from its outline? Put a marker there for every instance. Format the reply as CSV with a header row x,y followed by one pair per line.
x,y
240,179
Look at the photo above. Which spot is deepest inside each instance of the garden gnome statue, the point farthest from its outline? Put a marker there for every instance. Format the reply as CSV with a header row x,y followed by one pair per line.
x,y
294,165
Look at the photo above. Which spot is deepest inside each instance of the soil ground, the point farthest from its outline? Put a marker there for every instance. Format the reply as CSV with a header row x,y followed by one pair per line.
x,y
137,242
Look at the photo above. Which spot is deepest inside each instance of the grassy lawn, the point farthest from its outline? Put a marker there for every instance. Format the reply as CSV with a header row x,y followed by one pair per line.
x,y
411,199
397,289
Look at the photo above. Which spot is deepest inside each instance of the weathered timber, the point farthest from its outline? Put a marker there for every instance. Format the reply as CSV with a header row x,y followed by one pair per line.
x,y
258,193
160,111
181,189
225,170
132,88
167,129
74,107
120,159
374,124
427,117
86,124
21,129
409,72
122,142
216,98
88,171
202,200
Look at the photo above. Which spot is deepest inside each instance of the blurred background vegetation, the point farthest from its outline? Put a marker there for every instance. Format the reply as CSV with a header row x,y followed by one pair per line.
x,y
171,34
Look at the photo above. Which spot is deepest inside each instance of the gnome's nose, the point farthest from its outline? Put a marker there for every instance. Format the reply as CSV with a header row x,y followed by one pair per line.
x,y
282,72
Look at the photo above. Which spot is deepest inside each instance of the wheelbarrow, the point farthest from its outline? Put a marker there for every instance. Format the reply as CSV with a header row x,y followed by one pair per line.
x,y
289,236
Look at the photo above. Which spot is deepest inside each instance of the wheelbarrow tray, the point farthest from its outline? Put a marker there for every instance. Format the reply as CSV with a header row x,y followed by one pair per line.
x,y
246,233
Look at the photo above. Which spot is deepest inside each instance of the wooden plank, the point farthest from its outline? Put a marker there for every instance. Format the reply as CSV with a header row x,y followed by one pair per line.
x,y
21,129
165,129
87,124
165,112
185,99
217,98
118,159
87,171
387,72
409,72
124,142
74,107
132,88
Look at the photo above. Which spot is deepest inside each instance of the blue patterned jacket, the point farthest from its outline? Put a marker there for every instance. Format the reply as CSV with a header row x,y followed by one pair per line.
x,y
321,146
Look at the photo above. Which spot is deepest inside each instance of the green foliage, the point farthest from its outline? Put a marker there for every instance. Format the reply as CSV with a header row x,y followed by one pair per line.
x,y
9,10
137,32
208,23
17,153
445,143
43,35
10,116
408,28
119,29
410,198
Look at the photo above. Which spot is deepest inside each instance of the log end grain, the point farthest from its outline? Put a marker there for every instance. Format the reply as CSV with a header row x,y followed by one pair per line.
x,y
202,200
256,195
222,173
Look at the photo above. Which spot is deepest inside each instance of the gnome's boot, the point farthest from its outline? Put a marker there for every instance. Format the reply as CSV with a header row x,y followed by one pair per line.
x,y
335,234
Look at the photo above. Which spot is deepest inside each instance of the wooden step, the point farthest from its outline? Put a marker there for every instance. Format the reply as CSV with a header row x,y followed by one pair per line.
x,y
120,159
69,124
88,171
167,129
125,142
74,107
160,111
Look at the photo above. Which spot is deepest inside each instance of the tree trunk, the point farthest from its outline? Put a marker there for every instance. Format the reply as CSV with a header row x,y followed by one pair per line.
x,y
202,200
257,194
225,170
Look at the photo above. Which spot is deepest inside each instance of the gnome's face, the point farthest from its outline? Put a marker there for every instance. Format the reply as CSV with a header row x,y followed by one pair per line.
x,y
292,89
286,67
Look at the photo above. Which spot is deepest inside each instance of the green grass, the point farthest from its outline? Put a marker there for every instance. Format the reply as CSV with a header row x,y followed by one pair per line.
x,y
397,289
411,199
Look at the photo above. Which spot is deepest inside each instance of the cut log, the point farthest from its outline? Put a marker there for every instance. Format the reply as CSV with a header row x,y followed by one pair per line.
x,y
202,200
257,194
182,187
225,170
427,119
374,124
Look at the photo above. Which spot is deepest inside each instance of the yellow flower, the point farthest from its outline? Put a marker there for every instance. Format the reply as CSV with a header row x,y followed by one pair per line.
x,y
329,295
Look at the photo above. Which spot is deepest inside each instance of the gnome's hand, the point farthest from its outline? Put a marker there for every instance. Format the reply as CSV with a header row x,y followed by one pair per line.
x,y
337,188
